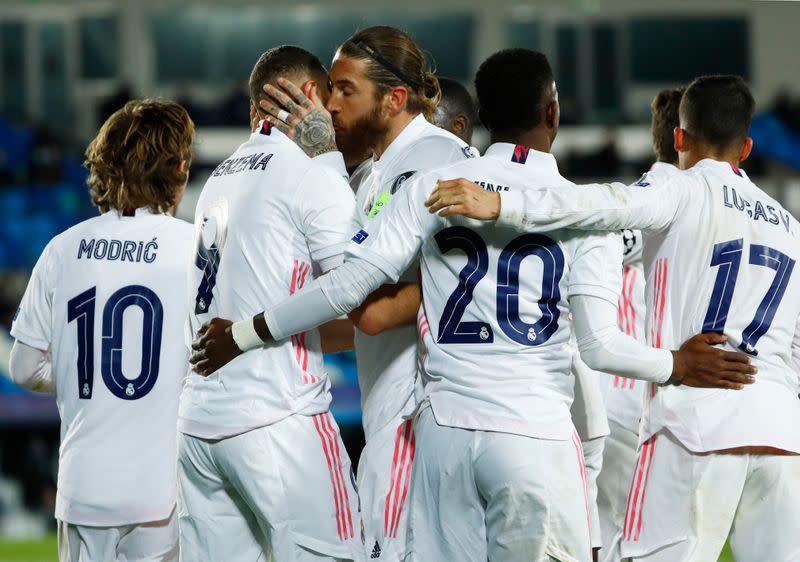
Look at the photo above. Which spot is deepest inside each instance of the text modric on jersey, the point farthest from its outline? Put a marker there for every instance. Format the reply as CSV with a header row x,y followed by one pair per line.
x,y
118,250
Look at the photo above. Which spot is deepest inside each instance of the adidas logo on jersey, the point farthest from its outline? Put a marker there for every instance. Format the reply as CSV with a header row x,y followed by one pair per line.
x,y
376,551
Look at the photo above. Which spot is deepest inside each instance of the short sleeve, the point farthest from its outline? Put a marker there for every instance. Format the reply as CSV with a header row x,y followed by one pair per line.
x,y
33,319
392,240
597,267
323,212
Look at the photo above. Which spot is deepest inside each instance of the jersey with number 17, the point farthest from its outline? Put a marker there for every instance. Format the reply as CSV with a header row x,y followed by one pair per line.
x,y
720,256
108,300
496,301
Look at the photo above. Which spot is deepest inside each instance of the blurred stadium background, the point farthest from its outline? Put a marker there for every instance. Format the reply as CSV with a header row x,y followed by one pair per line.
x,y
65,66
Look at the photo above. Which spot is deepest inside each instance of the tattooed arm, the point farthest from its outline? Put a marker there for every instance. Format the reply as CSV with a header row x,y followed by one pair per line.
x,y
308,122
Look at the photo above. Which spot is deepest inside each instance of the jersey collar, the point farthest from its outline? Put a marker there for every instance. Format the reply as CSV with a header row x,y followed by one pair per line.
x,y
664,167
130,212
403,140
523,155
723,167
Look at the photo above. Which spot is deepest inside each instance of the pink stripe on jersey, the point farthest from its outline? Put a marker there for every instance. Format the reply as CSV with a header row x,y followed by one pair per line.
x,y
299,273
635,500
326,448
404,436
388,501
644,488
342,482
626,317
576,442
405,477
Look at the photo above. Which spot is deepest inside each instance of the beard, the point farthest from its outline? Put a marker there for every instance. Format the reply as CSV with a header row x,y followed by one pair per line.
x,y
357,142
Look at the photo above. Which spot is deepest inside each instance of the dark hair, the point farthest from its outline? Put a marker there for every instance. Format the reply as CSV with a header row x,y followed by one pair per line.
x,y
393,59
133,161
456,99
718,110
511,86
665,118
285,61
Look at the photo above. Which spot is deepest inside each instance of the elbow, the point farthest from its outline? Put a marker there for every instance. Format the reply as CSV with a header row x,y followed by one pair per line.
x,y
594,359
370,324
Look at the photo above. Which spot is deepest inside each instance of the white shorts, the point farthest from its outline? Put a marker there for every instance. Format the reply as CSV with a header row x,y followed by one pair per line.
x,y
619,459
478,495
285,489
694,502
384,476
145,542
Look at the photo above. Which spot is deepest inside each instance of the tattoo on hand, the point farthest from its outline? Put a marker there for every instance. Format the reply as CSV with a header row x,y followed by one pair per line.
x,y
315,133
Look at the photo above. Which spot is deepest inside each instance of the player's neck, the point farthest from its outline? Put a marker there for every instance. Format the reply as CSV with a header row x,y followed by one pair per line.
x,y
537,139
397,124
690,158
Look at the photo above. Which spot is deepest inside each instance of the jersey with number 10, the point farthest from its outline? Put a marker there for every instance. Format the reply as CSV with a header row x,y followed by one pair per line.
x,y
498,354
107,298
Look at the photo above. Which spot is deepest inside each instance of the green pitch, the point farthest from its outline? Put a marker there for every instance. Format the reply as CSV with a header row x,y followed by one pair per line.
x,y
45,551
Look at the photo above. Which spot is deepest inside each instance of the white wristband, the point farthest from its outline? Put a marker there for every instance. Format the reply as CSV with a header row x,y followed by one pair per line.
x,y
245,335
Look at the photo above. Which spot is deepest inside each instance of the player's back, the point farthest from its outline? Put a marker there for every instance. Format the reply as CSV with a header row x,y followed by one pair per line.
x,y
257,242
726,265
498,351
116,286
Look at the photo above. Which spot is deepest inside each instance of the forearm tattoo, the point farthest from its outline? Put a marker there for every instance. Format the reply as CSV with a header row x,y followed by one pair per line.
x,y
315,133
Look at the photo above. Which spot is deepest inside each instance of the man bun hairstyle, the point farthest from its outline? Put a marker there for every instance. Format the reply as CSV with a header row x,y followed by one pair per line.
x,y
511,86
135,158
393,59
718,110
284,61
665,119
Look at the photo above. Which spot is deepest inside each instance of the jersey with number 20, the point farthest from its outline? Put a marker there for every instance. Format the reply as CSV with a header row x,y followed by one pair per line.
x,y
498,353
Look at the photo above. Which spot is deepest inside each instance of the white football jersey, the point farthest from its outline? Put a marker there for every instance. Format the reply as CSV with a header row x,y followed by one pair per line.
x,y
107,299
719,257
624,396
265,220
387,361
495,303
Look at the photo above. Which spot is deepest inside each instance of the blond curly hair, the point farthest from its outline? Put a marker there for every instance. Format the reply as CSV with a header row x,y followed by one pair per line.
x,y
135,159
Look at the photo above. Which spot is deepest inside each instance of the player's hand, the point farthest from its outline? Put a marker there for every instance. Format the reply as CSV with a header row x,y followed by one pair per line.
x,y
463,197
304,120
214,347
699,364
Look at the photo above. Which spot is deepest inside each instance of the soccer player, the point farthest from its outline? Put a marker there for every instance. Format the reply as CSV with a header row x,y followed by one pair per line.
x,y
499,473
262,468
624,396
719,257
98,325
456,110
381,102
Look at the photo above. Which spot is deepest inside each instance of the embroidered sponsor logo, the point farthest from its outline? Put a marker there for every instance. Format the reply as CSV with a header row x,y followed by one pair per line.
x,y
376,551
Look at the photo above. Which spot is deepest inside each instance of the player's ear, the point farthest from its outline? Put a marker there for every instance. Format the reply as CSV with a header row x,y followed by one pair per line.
x,y
746,149
459,124
551,115
183,167
680,139
396,99
309,87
